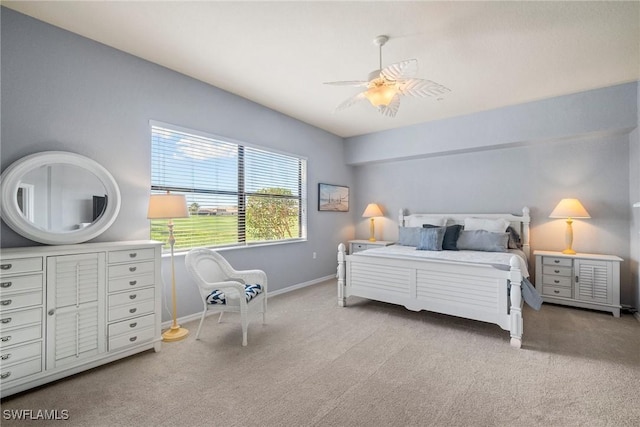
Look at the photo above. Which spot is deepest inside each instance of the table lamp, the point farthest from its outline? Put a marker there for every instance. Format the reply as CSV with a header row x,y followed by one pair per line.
x,y
372,211
169,206
569,208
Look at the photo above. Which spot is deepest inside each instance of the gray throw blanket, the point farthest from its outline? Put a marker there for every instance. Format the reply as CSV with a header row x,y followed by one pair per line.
x,y
530,294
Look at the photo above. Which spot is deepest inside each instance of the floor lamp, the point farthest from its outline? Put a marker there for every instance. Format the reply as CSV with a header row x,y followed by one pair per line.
x,y
169,206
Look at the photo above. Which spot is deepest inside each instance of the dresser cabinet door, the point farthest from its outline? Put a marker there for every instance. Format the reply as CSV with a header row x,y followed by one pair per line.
x,y
593,281
75,308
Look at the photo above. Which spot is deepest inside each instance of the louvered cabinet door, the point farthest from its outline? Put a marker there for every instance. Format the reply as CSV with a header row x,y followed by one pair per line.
x,y
75,308
593,281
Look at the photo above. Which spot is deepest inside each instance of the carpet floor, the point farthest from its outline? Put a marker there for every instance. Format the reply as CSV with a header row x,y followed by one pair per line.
x,y
368,364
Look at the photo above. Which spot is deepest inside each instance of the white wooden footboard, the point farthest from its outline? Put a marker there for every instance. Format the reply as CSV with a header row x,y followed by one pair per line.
x,y
472,291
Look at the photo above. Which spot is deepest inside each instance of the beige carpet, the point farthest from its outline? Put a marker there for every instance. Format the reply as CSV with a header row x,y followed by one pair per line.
x,y
369,364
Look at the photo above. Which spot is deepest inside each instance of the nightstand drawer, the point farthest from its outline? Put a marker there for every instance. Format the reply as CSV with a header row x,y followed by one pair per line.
x,y
562,262
561,281
556,292
357,247
559,271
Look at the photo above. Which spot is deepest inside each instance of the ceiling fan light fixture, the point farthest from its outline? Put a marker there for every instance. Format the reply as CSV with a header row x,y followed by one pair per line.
x,y
381,94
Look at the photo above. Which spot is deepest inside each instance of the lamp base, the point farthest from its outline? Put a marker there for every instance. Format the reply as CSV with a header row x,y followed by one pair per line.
x,y
569,252
175,333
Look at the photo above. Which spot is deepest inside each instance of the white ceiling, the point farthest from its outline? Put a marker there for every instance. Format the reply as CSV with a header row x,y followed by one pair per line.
x,y
278,54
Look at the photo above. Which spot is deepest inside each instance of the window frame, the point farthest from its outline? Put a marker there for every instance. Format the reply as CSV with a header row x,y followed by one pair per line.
x,y
241,191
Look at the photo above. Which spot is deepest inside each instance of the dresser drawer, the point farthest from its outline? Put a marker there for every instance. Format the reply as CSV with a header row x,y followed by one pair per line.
x,y
130,297
556,292
131,255
20,265
559,271
130,269
10,285
17,354
561,281
20,318
26,299
562,262
20,335
132,338
133,282
19,370
122,312
132,325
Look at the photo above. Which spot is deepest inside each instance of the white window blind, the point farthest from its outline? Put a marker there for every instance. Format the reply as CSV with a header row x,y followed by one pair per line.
x,y
236,194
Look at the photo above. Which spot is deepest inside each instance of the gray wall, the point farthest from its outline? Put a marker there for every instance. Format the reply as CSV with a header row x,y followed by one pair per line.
x,y
435,174
634,197
61,91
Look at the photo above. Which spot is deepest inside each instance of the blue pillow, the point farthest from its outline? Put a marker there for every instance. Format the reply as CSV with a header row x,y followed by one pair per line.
x,y
409,236
482,240
431,239
451,234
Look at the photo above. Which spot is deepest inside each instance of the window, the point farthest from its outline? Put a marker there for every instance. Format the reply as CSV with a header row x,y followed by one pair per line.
x,y
236,194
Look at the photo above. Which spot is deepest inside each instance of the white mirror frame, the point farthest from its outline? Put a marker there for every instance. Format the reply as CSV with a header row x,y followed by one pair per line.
x,y
13,217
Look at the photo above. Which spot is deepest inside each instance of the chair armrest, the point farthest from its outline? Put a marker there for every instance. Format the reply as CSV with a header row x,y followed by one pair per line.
x,y
251,277
224,286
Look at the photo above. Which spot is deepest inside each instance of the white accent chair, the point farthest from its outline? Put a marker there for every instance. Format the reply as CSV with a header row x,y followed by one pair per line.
x,y
212,272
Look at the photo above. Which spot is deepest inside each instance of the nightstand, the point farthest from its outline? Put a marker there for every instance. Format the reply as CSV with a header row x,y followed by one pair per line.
x,y
361,245
580,280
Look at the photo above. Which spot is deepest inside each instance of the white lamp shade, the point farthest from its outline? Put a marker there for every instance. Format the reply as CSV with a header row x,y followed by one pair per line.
x,y
569,208
371,211
167,206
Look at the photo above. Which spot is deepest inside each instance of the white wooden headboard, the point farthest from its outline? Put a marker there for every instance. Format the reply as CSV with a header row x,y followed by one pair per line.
x,y
519,223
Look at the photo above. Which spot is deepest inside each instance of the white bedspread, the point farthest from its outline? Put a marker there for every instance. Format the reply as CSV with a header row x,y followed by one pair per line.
x,y
497,259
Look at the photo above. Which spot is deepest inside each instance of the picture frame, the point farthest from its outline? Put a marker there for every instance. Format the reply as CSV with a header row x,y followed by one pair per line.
x,y
333,198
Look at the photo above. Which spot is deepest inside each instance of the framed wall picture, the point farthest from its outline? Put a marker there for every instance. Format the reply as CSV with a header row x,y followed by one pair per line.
x,y
333,198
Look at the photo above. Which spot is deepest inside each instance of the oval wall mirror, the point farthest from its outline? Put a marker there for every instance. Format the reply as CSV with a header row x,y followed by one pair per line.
x,y
58,198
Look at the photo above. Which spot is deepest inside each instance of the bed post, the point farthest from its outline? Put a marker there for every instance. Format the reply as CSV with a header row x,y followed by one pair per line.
x,y
515,310
526,219
342,300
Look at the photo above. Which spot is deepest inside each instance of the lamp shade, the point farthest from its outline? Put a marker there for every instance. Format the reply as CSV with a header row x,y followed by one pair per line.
x,y
167,206
569,208
371,211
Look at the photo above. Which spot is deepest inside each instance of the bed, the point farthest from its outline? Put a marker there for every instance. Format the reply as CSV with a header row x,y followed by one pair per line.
x,y
483,286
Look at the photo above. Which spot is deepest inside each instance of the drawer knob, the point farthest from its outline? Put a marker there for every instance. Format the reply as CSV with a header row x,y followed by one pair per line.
x,y
133,310
132,269
5,302
132,339
5,375
5,356
6,284
556,271
133,325
557,261
556,281
6,320
133,255
5,266
51,312
556,291
133,282
5,339
132,296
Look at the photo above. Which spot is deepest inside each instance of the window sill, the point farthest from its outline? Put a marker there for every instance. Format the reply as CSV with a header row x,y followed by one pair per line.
x,y
236,247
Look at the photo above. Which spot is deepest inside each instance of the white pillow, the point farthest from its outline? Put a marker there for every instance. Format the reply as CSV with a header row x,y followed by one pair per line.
x,y
493,225
418,220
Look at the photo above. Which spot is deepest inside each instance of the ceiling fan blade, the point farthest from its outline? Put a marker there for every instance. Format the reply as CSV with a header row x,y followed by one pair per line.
x,y
400,70
348,83
391,109
422,88
350,101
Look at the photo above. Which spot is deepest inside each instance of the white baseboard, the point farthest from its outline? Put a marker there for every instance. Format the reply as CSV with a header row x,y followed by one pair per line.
x,y
196,316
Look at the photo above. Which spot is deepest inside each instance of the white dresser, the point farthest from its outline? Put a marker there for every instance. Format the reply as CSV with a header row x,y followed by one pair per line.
x,y
65,309
581,280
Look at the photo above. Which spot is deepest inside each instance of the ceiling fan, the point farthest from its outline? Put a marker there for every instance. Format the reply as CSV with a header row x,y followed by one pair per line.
x,y
386,85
